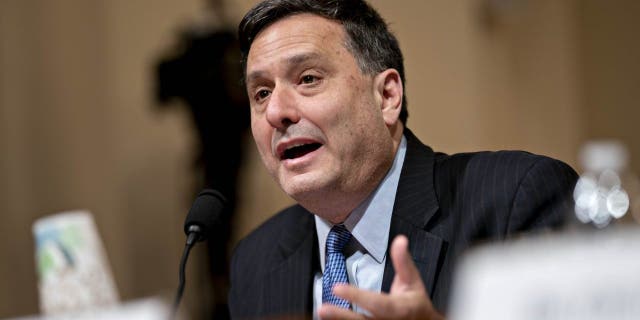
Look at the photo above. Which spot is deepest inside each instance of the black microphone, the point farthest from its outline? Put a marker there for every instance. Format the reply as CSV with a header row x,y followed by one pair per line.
x,y
203,216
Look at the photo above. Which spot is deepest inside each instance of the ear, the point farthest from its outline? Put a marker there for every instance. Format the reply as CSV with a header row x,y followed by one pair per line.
x,y
389,91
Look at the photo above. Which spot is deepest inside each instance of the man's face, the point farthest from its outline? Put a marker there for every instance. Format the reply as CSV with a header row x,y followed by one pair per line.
x,y
315,117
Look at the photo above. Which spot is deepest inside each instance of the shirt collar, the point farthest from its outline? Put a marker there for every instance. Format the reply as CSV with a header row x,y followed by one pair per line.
x,y
369,223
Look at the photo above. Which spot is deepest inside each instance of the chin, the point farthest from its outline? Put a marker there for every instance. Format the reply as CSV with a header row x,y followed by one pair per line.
x,y
299,191
304,188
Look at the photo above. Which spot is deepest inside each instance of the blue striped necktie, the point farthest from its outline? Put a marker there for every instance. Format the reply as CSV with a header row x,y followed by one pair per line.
x,y
335,270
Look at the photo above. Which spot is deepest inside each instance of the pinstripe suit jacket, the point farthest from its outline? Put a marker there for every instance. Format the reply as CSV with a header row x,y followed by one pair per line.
x,y
444,204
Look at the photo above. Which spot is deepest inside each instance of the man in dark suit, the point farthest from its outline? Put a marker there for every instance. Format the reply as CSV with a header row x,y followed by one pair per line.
x,y
376,208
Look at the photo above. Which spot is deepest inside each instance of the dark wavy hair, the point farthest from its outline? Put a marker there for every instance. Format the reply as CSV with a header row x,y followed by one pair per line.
x,y
368,37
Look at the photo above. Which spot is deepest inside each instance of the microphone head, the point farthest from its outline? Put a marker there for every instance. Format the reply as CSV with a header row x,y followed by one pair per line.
x,y
205,213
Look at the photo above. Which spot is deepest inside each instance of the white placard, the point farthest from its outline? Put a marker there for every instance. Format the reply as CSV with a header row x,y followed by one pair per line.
x,y
593,276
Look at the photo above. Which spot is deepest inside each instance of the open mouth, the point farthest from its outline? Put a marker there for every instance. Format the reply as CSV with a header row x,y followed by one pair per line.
x,y
299,150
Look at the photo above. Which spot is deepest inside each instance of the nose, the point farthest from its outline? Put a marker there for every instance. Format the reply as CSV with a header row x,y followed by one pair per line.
x,y
282,110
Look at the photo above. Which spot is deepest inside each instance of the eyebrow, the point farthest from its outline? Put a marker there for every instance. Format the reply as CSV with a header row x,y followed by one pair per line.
x,y
253,76
293,60
302,57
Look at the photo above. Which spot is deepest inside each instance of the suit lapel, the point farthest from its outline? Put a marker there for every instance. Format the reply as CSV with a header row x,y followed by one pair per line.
x,y
415,204
288,286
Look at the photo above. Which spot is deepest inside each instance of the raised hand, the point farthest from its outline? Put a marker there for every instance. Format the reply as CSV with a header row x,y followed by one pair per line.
x,y
407,298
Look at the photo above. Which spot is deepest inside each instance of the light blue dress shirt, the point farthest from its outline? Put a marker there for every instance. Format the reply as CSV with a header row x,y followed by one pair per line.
x,y
369,224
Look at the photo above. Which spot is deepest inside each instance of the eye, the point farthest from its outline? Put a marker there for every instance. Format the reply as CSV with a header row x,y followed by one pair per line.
x,y
308,79
262,94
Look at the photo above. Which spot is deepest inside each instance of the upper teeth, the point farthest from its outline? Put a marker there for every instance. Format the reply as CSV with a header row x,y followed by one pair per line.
x,y
295,145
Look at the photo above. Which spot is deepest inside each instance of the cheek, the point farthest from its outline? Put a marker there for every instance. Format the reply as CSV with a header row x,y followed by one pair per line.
x,y
262,137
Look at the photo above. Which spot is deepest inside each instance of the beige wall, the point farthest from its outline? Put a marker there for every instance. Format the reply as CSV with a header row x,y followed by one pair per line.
x,y
79,129
610,53
474,84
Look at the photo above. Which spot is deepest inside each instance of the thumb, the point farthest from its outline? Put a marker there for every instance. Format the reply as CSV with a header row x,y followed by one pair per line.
x,y
407,275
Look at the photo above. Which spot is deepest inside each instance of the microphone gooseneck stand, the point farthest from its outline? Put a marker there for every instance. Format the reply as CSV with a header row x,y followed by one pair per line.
x,y
202,217
191,240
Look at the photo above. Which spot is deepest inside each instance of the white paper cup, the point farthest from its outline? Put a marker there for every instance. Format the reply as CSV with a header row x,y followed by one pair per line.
x,y
71,263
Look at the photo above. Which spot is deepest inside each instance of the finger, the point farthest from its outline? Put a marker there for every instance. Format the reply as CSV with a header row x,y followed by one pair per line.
x,y
406,271
378,304
329,312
